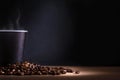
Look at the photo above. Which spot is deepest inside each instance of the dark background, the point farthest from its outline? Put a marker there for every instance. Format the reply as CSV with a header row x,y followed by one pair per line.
x,y
67,32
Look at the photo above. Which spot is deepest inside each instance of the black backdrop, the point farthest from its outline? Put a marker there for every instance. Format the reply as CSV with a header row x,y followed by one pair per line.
x,y
67,32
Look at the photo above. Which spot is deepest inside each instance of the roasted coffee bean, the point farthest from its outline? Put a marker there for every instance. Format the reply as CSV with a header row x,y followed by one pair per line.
x,y
10,73
44,72
32,73
77,72
21,73
52,72
2,72
63,71
57,73
27,68
69,70
39,73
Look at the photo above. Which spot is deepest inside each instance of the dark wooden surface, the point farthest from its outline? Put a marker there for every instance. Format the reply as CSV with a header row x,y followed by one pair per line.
x,y
86,73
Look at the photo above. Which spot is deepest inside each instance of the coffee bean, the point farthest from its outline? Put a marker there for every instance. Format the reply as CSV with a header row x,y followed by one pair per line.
x,y
77,72
39,73
21,73
13,70
63,71
10,73
2,72
69,70
51,72
27,68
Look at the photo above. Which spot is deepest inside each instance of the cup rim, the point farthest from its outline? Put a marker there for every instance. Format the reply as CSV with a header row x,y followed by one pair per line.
x,y
13,30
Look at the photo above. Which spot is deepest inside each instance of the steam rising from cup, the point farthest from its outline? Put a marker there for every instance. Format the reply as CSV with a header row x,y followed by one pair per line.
x,y
13,21
18,20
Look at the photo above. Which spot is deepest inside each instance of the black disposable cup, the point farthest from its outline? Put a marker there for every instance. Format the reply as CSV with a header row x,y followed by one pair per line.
x,y
11,46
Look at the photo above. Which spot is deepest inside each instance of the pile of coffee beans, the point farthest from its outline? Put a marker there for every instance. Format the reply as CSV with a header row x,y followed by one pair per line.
x,y
27,68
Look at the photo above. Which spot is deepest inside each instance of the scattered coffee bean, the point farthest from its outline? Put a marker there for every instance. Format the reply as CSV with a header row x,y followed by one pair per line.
x,y
27,68
69,70
77,72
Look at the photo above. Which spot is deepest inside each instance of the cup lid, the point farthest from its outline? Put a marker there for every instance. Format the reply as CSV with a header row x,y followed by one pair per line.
x,y
13,31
